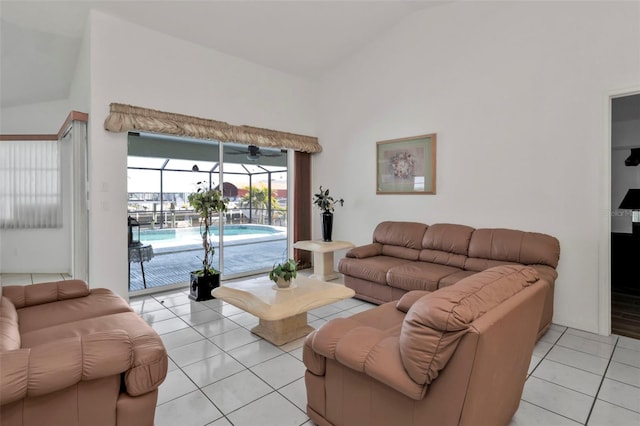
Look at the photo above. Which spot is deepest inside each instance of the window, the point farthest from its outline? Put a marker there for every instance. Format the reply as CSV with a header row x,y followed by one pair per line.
x,y
30,184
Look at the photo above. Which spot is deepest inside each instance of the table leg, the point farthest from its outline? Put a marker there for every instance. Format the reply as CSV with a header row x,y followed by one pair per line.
x,y
323,266
144,280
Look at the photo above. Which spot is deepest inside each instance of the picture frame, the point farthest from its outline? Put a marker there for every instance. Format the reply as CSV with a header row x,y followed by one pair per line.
x,y
406,165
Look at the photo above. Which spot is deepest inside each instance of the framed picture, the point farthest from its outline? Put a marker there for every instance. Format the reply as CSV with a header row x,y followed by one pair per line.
x,y
407,165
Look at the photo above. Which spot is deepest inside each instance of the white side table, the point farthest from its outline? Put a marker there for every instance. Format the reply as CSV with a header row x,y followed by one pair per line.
x,y
323,256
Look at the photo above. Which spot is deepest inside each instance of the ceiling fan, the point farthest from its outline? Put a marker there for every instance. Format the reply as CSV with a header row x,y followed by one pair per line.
x,y
253,152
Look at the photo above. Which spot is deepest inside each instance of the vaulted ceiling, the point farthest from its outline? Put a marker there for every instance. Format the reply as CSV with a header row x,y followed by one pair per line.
x,y
40,40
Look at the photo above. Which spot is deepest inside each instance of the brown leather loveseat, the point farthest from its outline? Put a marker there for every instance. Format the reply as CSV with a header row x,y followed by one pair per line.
x,y
459,355
406,256
74,356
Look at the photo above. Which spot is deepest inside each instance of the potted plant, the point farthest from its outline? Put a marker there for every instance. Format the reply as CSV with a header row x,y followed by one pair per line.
x,y
206,202
283,273
326,203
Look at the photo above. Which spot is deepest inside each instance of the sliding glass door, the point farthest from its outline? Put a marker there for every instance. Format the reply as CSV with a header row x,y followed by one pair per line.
x,y
248,238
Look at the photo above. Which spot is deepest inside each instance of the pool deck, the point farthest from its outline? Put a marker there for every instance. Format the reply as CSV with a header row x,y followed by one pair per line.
x,y
173,264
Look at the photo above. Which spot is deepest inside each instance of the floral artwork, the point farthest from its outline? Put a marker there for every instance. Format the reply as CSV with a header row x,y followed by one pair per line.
x,y
406,166
402,165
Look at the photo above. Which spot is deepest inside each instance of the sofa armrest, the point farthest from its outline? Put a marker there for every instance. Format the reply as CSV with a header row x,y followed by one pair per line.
x,y
408,299
53,366
369,250
37,294
367,350
149,367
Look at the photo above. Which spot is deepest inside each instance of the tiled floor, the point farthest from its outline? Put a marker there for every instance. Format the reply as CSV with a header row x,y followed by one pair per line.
x,y
222,374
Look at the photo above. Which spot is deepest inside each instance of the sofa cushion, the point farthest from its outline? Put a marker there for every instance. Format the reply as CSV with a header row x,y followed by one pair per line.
x,y
418,275
446,244
454,278
372,269
527,248
435,323
27,295
400,234
99,302
9,330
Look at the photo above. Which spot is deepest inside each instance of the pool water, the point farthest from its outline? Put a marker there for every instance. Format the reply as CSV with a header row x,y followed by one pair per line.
x,y
189,234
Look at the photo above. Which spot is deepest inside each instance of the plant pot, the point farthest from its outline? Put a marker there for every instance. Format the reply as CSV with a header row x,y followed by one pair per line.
x,y
282,283
327,225
200,287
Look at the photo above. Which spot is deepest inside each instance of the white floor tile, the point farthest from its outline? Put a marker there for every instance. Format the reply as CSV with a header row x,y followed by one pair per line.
x,y
324,311
551,336
181,337
541,348
295,344
588,346
192,409
173,299
155,316
347,303
145,305
361,308
255,352
212,369
280,371
216,327
296,392
535,360
235,391
188,308
245,320
558,399
557,327
569,377
270,410
605,414
201,317
221,422
171,365
577,359
175,385
169,325
297,353
532,415
611,340
234,339
629,343
620,394
624,373
627,356
194,352
227,309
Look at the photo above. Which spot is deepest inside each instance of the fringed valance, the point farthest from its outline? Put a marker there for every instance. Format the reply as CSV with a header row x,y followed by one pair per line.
x,y
124,118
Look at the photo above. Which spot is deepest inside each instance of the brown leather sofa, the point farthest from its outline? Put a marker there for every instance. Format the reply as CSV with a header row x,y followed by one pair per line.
x,y
459,355
407,256
74,356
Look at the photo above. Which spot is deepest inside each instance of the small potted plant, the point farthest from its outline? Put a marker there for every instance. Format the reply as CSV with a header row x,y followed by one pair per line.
x,y
327,204
283,273
206,202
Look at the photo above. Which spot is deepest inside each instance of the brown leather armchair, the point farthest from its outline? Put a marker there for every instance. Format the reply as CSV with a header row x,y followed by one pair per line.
x,y
458,355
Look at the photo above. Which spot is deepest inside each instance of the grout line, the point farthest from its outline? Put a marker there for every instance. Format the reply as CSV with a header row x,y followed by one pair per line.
x,y
604,374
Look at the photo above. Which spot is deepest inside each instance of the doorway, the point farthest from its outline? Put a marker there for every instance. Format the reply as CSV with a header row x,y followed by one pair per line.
x,y
625,215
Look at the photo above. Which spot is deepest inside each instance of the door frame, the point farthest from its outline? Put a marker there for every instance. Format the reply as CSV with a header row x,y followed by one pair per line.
x,y
604,279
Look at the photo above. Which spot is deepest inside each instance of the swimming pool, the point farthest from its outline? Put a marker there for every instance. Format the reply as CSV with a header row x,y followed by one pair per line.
x,y
177,236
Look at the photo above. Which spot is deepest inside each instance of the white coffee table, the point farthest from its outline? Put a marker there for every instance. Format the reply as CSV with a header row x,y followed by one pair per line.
x,y
323,256
282,312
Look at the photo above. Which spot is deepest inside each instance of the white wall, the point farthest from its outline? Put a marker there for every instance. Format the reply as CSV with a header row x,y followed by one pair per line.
x,y
34,119
133,65
517,94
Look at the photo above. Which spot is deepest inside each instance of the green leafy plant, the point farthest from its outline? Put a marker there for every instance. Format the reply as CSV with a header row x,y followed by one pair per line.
x,y
206,202
286,271
326,202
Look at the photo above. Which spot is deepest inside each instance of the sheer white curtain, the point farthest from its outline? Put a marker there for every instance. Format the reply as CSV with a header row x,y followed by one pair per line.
x,y
30,184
